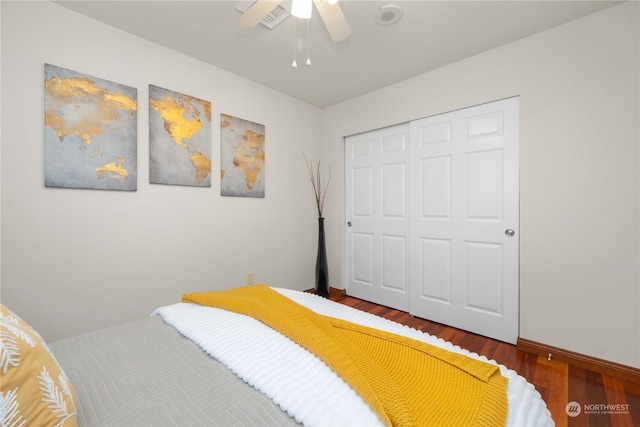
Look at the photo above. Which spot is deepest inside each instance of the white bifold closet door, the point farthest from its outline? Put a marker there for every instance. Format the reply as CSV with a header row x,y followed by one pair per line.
x,y
377,174
435,230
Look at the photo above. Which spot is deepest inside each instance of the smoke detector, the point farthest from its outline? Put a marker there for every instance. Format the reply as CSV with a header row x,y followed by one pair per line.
x,y
388,14
275,17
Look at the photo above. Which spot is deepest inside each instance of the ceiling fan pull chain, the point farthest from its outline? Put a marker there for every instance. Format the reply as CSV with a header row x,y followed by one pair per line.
x,y
294,64
308,43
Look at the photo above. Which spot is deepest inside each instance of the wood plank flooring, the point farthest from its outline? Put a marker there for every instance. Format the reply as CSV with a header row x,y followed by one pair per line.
x,y
558,383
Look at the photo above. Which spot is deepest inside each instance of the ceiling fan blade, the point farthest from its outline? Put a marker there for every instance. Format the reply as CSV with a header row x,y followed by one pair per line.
x,y
334,20
257,12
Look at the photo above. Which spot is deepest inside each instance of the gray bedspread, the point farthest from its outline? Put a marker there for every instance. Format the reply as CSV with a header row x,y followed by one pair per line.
x,y
144,373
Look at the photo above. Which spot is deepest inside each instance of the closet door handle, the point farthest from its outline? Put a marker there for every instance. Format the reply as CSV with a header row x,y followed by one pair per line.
x,y
349,224
509,232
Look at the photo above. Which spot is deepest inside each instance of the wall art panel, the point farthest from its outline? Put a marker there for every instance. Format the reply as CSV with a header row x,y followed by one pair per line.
x,y
179,139
90,132
242,159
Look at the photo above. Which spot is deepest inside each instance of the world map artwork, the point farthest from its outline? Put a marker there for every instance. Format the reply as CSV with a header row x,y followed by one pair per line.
x,y
242,157
90,132
179,138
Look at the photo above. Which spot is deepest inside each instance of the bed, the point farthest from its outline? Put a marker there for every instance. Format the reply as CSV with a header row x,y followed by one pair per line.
x,y
194,365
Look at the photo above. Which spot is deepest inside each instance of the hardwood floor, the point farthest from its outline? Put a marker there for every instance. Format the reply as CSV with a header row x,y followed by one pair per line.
x,y
558,383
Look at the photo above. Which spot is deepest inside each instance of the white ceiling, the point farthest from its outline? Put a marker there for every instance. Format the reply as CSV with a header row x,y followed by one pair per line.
x,y
430,34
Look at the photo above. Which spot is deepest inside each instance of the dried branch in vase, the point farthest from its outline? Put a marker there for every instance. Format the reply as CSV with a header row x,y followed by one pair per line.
x,y
319,184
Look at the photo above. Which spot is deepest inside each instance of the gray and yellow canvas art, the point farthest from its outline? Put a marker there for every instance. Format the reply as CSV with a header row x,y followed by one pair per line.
x,y
242,157
179,138
90,132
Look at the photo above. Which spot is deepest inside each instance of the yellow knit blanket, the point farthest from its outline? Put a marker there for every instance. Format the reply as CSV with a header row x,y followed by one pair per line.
x,y
406,382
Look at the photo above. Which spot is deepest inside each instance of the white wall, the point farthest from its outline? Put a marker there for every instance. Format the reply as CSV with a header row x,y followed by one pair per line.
x,y
77,260
579,123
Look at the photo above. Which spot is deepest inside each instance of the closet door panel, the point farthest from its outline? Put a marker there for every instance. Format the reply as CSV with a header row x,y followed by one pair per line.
x,y
377,205
465,164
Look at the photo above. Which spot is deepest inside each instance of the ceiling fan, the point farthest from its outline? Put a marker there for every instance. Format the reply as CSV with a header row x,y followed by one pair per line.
x,y
329,11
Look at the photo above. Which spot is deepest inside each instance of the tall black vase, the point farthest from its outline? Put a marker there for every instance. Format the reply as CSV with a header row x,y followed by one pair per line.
x,y
322,271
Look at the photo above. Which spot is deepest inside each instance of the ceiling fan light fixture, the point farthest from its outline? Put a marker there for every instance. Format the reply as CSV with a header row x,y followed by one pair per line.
x,y
388,14
301,9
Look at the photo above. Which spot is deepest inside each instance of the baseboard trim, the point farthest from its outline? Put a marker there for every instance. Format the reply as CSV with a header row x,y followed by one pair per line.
x,y
333,292
336,293
606,367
